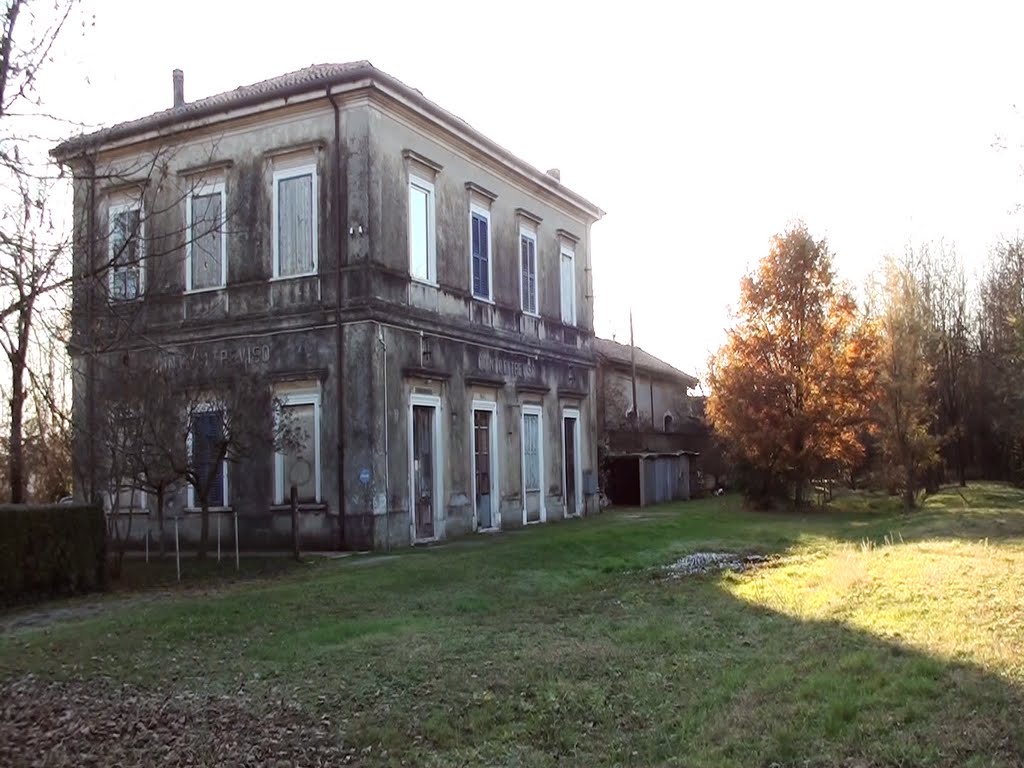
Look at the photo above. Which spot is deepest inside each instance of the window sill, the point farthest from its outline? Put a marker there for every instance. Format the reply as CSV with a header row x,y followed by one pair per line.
x,y
534,315
212,289
304,506
280,278
483,299
219,510
423,281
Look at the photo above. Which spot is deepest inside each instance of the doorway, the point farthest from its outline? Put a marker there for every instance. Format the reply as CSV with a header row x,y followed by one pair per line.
x,y
533,464
571,466
485,466
425,466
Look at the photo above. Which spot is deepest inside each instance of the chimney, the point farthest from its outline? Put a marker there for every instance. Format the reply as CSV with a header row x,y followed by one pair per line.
x,y
179,88
555,174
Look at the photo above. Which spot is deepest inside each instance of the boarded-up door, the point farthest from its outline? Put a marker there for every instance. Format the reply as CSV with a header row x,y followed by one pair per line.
x,y
482,467
571,491
423,469
532,472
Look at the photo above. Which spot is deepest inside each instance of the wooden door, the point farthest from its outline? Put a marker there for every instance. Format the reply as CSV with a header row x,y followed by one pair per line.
x,y
423,469
569,440
482,467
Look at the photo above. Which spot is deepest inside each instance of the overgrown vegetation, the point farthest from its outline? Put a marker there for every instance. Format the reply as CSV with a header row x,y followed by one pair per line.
x,y
875,638
46,551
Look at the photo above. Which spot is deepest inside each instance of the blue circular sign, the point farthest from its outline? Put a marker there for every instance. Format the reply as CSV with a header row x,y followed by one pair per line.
x,y
364,476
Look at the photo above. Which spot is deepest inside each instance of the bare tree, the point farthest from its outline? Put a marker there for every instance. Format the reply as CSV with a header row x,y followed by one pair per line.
x,y
31,260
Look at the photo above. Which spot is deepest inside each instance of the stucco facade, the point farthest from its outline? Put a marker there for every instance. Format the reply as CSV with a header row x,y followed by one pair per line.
x,y
445,365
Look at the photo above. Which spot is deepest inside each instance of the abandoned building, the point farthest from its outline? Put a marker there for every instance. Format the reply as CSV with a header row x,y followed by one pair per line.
x,y
418,298
647,438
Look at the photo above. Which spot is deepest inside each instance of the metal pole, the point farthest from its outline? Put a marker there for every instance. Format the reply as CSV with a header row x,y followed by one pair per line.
x,y
237,560
219,515
177,548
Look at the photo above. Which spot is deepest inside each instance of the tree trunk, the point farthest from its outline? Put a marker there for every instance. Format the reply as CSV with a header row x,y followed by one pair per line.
x,y
16,457
961,464
295,523
160,521
204,528
909,488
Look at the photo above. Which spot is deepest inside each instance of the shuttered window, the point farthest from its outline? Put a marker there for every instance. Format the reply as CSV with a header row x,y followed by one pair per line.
x,y
480,235
528,270
531,451
207,436
206,240
295,220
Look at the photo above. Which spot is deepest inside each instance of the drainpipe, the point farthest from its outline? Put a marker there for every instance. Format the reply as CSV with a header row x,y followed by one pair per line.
x,y
341,256
387,462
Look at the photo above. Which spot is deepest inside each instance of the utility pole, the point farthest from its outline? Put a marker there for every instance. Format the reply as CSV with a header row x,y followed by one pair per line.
x,y
632,361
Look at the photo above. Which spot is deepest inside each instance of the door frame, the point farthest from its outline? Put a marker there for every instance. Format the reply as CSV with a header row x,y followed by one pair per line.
x,y
573,413
491,407
538,411
429,401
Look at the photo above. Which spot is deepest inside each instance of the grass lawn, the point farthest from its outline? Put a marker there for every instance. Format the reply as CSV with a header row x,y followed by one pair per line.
x,y
874,638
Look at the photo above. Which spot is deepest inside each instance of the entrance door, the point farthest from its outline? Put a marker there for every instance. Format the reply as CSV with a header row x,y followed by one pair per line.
x,y
570,447
533,465
423,461
482,468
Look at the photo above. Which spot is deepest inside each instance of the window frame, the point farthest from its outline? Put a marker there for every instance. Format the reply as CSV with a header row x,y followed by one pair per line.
x,y
283,174
475,209
113,209
528,233
538,411
191,491
567,250
423,184
297,398
204,189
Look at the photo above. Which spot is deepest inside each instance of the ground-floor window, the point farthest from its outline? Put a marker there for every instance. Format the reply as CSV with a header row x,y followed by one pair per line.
x,y
206,438
533,464
297,462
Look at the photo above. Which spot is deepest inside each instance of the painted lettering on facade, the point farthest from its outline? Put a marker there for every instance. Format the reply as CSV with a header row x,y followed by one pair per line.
x,y
506,365
238,356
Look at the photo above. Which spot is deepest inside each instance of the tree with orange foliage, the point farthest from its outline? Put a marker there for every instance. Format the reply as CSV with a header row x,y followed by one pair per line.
x,y
791,388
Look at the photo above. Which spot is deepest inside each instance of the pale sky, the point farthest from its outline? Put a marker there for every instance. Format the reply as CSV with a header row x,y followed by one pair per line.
x,y
701,128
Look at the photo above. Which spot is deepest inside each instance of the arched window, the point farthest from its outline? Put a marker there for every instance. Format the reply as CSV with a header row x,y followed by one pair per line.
x,y
668,422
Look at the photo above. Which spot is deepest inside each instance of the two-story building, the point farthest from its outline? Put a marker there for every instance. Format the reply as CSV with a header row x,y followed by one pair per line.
x,y
645,426
415,295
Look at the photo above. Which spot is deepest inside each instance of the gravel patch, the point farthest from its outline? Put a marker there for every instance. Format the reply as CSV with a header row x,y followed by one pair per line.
x,y
100,723
708,562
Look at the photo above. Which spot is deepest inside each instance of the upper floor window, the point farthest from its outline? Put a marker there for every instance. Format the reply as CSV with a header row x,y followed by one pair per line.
x,y
422,248
295,222
126,245
528,270
480,251
206,264
568,285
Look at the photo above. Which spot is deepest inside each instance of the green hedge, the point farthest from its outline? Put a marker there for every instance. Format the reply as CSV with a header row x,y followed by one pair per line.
x,y
50,550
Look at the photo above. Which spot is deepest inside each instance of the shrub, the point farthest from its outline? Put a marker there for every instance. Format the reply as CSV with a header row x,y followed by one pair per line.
x,y
50,550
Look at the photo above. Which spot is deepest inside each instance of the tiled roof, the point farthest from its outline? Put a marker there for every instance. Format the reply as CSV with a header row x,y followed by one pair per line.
x,y
620,353
299,80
